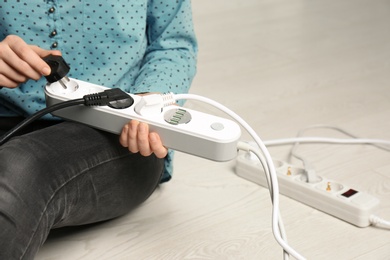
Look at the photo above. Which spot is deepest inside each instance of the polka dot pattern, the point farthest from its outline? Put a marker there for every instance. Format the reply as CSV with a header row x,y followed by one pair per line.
x,y
136,45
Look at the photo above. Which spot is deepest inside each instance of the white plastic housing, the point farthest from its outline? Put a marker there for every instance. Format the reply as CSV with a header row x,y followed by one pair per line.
x,y
329,196
205,135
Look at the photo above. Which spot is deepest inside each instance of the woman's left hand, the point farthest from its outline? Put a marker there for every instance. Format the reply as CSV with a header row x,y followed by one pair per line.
x,y
137,138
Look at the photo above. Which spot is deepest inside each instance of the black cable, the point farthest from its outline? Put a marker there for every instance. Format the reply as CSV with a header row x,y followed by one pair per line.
x,y
38,115
114,98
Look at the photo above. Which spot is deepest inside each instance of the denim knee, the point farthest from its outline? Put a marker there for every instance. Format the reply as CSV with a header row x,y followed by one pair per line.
x,y
21,199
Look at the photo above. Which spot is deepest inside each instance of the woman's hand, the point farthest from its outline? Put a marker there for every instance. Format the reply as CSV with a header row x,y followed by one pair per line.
x,y
137,138
20,62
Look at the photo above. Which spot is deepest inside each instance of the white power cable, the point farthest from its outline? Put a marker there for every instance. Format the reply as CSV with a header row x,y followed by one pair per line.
x,y
250,149
270,166
343,131
377,221
314,139
335,128
309,171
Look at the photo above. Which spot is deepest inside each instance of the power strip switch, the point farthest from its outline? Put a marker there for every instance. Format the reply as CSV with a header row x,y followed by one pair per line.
x,y
328,196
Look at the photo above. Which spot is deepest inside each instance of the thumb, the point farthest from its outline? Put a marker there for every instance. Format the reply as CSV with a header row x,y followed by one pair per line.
x,y
44,53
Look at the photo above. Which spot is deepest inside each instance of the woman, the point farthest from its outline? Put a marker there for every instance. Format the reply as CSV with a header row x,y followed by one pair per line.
x,y
56,173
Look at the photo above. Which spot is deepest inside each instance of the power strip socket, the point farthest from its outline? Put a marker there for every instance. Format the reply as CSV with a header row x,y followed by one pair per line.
x,y
325,195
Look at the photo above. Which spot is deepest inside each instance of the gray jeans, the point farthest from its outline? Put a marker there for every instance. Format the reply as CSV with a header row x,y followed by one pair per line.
x,y
66,174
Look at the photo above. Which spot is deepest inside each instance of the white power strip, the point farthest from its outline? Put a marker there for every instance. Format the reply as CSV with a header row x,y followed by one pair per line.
x,y
328,196
181,129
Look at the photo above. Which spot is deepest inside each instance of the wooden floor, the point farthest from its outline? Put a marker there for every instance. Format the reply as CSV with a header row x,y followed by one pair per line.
x,y
282,65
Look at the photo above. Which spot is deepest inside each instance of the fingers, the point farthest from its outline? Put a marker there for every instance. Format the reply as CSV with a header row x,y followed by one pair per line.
x,y
10,76
20,61
157,147
136,137
21,58
139,138
43,53
128,137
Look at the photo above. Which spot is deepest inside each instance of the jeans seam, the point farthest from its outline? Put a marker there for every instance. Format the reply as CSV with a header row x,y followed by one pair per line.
x,y
60,188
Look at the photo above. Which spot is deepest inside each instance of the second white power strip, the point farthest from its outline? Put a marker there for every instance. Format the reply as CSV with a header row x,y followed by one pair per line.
x,y
328,196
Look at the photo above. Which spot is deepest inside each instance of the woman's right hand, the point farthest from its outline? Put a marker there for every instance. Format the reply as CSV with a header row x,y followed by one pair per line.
x,y
20,62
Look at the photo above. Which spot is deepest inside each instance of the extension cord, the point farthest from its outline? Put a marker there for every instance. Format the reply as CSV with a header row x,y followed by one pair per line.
x,y
328,196
181,129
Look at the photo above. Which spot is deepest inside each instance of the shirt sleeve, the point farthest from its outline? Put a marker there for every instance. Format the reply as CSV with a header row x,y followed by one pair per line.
x,y
169,64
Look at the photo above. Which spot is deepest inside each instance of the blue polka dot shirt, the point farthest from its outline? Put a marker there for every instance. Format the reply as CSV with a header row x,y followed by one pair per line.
x,y
138,46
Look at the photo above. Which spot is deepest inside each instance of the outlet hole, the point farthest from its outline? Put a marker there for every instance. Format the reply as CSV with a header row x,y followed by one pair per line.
x,y
293,171
278,164
330,186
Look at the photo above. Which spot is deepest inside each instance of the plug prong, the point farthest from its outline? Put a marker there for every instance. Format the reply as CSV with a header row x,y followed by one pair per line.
x,y
328,187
